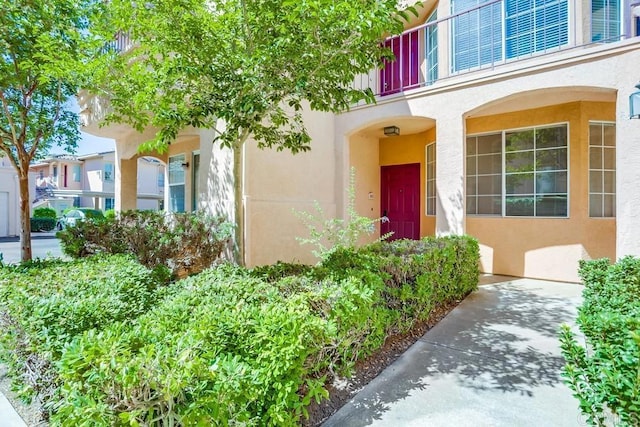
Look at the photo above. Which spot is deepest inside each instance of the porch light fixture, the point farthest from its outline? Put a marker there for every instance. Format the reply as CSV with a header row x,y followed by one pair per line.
x,y
634,104
185,165
395,130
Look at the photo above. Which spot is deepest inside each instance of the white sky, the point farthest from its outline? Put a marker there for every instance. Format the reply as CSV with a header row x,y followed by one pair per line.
x,y
88,144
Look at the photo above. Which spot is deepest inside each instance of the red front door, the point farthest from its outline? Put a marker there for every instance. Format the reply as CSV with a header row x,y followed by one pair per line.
x,y
401,201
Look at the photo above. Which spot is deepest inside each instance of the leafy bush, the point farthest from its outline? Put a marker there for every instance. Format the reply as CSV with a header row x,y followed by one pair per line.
x,y
45,213
43,224
236,347
604,373
110,214
187,243
44,304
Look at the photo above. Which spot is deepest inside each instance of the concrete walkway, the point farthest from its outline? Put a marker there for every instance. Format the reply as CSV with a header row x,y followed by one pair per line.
x,y
493,361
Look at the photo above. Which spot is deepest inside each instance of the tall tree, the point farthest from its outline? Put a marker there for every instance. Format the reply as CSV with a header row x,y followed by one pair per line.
x,y
44,48
252,64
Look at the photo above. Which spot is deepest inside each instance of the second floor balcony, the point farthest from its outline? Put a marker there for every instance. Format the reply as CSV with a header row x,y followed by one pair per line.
x,y
484,35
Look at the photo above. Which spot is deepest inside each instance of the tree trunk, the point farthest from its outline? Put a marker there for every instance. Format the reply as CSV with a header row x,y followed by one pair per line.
x,y
238,186
25,216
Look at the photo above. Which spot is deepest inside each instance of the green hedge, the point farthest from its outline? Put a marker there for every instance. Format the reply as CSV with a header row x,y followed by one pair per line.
x,y
43,224
45,213
605,372
236,347
45,304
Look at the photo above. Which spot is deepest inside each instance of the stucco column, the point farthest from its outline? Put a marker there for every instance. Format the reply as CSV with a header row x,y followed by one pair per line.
x,y
627,177
450,175
126,182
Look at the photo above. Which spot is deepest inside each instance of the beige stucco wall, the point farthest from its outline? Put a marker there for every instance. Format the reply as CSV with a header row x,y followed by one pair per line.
x,y
279,183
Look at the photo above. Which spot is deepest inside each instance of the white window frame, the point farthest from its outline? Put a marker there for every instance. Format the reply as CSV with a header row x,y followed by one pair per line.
x,y
614,170
181,159
430,197
503,170
108,176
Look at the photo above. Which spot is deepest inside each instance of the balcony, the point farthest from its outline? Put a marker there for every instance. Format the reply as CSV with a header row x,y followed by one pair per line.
x,y
492,35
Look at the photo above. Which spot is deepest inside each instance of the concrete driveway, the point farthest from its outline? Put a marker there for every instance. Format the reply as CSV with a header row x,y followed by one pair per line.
x,y
493,361
43,245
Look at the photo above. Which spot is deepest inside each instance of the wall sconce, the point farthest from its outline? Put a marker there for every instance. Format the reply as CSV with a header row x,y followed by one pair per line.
x,y
391,131
185,165
634,104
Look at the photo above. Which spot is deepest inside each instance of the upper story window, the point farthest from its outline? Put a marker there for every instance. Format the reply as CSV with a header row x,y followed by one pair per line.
x,y
476,35
108,172
431,48
535,26
480,38
76,173
605,20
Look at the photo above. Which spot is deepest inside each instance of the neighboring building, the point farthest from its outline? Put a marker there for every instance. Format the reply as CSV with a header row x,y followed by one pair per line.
x,y
506,119
10,198
65,181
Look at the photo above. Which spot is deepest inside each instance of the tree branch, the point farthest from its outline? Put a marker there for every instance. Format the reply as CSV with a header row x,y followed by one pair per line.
x,y
12,126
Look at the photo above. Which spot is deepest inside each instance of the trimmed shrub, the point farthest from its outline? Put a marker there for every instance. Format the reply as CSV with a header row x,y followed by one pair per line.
x,y
236,347
187,243
43,224
45,304
604,373
45,213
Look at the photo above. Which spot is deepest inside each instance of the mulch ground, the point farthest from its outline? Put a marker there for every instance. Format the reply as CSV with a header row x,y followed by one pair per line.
x,y
369,368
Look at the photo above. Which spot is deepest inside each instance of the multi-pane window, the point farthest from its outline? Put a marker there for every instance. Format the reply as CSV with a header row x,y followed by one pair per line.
x,y
518,173
176,183
602,169
483,34
431,44
605,20
536,172
109,203
534,26
476,34
430,180
108,171
484,174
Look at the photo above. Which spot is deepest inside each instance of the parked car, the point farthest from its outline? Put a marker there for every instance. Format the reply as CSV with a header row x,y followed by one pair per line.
x,y
79,214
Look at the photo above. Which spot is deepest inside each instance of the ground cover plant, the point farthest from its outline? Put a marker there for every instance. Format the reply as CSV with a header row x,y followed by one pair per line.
x,y
604,373
186,243
45,304
232,346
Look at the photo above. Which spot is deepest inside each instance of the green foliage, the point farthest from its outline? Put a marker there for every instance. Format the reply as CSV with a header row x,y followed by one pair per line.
x,y
45,304
329,235
185,242
47,50
43,224
45,213
229,346
110,214
230,63
605,372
